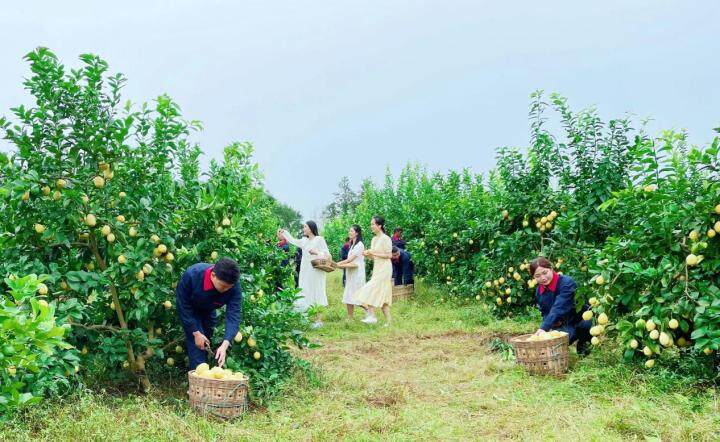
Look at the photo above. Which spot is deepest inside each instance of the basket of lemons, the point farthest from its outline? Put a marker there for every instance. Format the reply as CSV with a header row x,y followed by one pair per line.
x,y
218,392
544,353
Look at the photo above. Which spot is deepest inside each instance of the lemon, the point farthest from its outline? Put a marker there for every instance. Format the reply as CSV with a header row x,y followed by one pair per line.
x,y
595,330
634,344
711,233
42,302
665,339
110,237
162,248
155,239
477,298
214,255
717,209
525,223
650,363
39,228
691,260
178,349
716,227
226,222
640,324
238,337
647,351
90,220
694,235
501,280
45,190
12,370
595,340
251,342
85,199
218,230
499,301
84,350
147,269
650,325
106,230
112,305
471,242
600,280
121,259
132,232
602,319
452,259
587,315
202,368
681,342
60,184
593,301
654,335
169,257
108,174
140,275
673,324
708,351
99,181
120,218
505,213
257,355
508,291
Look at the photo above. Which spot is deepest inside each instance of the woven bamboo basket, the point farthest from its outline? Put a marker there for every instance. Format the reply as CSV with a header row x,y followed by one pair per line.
x,y
326,265
549,357
403,291
220,398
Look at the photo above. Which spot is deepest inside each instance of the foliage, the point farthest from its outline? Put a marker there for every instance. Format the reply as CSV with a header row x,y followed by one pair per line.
x,y
609,205
109,203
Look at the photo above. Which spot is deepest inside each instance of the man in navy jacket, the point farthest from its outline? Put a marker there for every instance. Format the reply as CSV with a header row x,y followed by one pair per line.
x,y
402,267
203,289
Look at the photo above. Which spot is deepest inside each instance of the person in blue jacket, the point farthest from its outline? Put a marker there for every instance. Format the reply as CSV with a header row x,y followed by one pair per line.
x,y
555,296
203,289
403,267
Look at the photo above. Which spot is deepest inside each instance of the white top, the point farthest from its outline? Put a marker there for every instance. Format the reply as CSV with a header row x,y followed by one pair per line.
x,y
311,280
354,276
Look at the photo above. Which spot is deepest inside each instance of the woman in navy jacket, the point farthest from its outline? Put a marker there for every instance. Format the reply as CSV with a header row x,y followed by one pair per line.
x,y
555,296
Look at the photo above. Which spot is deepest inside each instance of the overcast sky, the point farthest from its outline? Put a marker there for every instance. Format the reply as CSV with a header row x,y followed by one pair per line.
x,y
331,88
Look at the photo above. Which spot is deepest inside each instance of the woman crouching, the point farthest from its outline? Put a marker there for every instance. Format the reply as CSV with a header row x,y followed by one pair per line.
x,y
555,296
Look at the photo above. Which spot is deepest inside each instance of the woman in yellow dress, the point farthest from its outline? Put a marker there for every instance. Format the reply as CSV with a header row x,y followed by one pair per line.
x,y
377,293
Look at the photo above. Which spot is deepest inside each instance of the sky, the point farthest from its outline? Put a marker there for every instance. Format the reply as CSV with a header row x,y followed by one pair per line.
x,y
325,89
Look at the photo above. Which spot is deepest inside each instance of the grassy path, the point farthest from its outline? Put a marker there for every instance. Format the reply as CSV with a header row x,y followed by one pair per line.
x,y
430,376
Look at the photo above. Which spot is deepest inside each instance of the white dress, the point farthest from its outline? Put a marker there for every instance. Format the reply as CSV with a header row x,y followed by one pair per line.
x,y
311,280
354,276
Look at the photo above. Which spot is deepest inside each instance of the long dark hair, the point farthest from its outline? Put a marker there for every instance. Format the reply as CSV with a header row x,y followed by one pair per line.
x,y
358,238
380,221
312,225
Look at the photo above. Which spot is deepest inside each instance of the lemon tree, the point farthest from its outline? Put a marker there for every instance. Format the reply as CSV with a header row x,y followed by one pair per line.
x,y
107,199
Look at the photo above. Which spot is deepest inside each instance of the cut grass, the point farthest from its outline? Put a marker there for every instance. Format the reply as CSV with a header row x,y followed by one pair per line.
x,y
430,376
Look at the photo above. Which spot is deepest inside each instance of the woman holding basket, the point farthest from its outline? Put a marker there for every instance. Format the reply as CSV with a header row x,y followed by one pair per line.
x,y
311,280
354,266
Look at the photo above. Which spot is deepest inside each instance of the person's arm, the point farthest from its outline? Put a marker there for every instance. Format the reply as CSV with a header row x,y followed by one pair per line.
x,y
292,240
384,250
183,294
233,315
397,273
322,250
564,304
407,270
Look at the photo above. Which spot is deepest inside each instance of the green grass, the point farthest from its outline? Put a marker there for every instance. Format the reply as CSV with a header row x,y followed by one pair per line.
x,y
429,376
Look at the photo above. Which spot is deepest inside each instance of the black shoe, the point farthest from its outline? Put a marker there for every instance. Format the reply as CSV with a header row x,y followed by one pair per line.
x,y
583,348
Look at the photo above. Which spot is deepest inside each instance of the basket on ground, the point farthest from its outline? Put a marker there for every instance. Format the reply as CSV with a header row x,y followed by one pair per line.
x,y
403,291
326,265
546,357
220,398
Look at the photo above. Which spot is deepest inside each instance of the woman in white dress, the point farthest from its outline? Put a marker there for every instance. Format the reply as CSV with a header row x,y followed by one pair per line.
x,y
311,280
354,266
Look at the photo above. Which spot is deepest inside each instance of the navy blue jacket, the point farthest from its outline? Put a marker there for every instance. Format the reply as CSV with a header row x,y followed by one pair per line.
x,y
558,307
403,269
194,301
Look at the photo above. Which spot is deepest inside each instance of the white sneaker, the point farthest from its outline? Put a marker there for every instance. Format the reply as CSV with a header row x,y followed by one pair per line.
x,y
370,320
317,325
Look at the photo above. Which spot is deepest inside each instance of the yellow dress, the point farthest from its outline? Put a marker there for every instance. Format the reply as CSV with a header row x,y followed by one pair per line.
x,y
378,291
